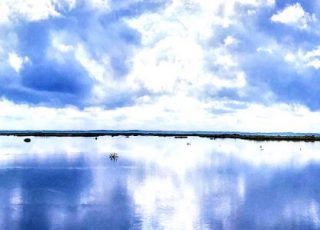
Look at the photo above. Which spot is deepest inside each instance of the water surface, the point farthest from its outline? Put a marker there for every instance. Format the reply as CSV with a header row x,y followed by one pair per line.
x,y
158,183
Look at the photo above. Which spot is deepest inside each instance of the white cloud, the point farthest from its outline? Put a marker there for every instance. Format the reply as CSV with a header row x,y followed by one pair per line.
x,y
61,47
265,50
176,54
100,70
294,15
257,3
174,57
174,63
4,12
289,57
102,5
302,59
32,10
315,53
96,69
231,41
35,10
167,113
314,63
16,62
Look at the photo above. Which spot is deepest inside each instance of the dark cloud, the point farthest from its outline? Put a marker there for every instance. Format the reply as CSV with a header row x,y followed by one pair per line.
x,y
270,73
267,72
46,80
59,82
64,79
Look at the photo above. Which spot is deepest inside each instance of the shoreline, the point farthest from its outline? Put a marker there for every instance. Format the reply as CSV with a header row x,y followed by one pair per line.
x,y
176,134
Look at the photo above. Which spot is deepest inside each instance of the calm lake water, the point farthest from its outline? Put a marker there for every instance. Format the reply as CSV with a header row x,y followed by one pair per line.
x,y
158,183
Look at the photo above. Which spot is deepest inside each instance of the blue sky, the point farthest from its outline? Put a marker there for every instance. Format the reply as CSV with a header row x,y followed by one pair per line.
x,y
245,65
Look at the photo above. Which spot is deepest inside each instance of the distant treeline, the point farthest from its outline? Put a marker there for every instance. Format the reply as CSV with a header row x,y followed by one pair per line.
x,y
246,136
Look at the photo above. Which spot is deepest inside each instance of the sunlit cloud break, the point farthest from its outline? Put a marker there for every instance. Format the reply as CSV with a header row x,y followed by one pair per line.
x,y
236,65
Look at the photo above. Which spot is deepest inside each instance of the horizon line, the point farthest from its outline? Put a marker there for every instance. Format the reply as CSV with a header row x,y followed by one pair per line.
x,y
146,130
256,136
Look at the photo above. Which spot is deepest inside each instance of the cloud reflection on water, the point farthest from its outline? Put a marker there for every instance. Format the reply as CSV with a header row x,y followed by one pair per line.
x,y
158,183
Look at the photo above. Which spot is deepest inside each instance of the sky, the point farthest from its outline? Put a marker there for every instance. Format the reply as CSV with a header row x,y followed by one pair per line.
x,y
220,65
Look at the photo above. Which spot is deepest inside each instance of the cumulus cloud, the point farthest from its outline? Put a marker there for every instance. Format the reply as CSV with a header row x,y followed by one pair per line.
x,y
230,41
76,57
103,5
16,62
166,113
181,64
32,10
176,55
294,15
302,59
258,2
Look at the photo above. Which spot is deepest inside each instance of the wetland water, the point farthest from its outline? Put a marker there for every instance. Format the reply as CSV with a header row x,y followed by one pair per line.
x,y
158,183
